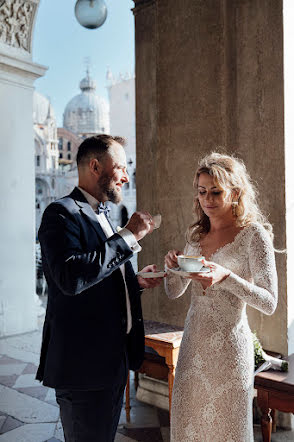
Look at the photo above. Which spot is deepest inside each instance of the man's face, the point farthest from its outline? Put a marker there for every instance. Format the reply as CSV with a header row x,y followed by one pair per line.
x,y
114,173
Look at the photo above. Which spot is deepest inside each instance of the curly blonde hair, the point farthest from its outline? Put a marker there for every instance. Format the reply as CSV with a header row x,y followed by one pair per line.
x,y
229,174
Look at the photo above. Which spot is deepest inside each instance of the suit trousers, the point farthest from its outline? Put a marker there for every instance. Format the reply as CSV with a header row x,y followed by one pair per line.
x,y
90,416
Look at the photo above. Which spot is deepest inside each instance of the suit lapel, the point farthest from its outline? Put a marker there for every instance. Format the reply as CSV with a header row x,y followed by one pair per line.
x,y
87,211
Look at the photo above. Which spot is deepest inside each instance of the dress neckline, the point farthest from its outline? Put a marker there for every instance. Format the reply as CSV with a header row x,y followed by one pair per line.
x,y
221,248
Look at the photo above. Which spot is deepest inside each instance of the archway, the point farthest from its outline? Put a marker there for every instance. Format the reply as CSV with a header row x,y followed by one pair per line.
x,y
18,73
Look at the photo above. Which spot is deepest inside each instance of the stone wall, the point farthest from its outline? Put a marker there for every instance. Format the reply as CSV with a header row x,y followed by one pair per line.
x,y
208,74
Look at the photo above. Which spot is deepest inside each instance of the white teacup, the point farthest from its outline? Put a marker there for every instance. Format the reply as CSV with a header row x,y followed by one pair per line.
x,y
190,263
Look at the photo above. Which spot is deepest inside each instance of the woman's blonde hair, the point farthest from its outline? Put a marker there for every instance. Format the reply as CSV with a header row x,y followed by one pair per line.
x,y
230,175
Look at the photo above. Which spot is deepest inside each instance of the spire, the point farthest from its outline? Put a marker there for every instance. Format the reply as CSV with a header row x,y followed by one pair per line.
x,y
109,77
87,83
49,112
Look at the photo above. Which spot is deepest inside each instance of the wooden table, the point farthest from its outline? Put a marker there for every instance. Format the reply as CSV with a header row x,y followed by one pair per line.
x,y
275,391
165,339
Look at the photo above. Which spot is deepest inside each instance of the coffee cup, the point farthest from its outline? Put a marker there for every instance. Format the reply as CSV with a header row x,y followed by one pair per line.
x,y
190,263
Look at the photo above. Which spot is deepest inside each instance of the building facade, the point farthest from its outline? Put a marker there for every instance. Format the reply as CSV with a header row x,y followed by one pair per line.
x,y
85,115
54,177
68,144
121,93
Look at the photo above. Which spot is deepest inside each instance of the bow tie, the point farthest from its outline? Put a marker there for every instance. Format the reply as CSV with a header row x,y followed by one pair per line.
x,y
102,208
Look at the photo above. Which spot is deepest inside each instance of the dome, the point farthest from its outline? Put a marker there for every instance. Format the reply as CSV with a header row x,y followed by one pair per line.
x,y
87,113
87,84
42,109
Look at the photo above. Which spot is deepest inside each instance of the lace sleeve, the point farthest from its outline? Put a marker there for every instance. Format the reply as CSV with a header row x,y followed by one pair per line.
x,y
174,285
262,293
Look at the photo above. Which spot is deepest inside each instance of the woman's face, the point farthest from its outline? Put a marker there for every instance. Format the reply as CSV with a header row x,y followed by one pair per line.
x,y
214,201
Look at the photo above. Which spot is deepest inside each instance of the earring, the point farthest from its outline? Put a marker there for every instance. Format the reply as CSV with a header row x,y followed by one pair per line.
x,y
234,207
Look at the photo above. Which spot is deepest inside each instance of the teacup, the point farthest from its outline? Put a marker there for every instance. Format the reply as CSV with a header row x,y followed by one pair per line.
x,y
190,263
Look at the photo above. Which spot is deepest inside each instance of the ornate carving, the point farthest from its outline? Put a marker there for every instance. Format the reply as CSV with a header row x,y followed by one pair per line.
x,y
16,20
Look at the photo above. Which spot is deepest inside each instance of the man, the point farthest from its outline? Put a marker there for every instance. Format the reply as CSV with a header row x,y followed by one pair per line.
x,y
93,331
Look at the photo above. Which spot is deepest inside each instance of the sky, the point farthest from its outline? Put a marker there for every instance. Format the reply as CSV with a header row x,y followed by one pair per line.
x,y
62,44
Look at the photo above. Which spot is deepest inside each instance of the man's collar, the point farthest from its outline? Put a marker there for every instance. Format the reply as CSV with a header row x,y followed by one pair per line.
x,y
91,200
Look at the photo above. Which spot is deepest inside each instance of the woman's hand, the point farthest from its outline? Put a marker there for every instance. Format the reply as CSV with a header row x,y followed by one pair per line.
x,y
217,274
171,258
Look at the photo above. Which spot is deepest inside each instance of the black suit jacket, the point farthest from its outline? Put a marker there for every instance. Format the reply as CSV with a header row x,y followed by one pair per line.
x,y
84,337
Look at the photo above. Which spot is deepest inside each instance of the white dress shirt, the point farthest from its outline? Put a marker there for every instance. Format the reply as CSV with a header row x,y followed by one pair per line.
x,y
127,236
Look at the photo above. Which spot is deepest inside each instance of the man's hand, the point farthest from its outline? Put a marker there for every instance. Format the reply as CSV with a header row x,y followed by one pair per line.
x,y
171,258
140,224
149,283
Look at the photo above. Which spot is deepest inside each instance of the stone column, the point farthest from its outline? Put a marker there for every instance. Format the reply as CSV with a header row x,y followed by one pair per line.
x,y
288,9
289,151
208,74
18,310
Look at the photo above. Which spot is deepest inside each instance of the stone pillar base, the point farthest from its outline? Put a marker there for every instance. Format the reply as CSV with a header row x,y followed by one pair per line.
x,y
153,392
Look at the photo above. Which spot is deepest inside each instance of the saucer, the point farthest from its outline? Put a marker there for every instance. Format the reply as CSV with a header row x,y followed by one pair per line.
x,y
152,274
178,271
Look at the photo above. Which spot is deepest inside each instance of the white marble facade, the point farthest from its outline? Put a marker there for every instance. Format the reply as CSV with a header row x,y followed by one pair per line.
x,y
52,179
18,311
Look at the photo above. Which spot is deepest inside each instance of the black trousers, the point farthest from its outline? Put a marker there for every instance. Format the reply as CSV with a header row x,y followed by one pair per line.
x,y
90,416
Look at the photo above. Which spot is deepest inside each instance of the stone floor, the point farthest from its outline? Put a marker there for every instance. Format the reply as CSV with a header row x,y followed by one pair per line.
x,y
29,413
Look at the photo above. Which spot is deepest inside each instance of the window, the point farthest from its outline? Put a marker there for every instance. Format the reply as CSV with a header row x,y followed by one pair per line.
x,y
69,146
60,143
60,155
38,160
69,156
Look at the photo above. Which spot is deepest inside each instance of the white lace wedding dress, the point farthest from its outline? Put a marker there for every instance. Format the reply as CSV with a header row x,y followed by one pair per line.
x,y
213,389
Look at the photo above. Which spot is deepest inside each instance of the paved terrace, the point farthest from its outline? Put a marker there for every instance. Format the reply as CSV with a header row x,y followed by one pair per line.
x,y
29,413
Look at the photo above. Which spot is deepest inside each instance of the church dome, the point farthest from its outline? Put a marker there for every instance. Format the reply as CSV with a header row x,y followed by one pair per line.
x,y
87,113
42,109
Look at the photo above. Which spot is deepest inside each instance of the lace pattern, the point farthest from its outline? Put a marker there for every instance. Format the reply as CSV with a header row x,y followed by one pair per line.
x,y
213,390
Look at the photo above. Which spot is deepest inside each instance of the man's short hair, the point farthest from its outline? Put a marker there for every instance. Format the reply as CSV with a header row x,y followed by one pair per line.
x,y
96,147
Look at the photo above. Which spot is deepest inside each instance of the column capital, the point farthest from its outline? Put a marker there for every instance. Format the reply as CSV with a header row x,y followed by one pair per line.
x,y
17,19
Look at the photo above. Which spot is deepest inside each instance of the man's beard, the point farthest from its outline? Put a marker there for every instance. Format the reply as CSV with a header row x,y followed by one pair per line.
x,y
105,188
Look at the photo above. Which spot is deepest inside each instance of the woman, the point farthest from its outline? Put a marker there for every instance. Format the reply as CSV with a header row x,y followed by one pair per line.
x,y
213,390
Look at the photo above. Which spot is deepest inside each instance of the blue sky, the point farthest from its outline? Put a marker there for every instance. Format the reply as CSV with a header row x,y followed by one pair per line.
x,y
62,44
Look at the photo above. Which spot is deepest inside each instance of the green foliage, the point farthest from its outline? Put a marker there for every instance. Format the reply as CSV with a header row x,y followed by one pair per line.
x,y
258,358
